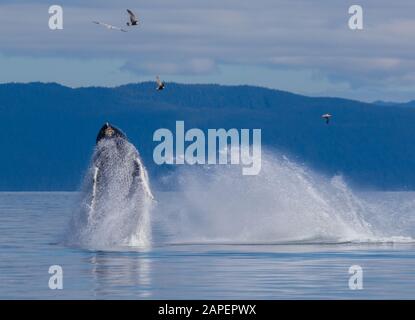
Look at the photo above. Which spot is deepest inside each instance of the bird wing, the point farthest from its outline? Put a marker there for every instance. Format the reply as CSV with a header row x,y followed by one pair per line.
x,y
102,24
97,22
133,18
117,28
109,26
158,81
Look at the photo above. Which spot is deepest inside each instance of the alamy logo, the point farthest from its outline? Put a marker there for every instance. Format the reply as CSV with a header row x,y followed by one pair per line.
x,y
220,145
56,18
356,280
56,280
356,20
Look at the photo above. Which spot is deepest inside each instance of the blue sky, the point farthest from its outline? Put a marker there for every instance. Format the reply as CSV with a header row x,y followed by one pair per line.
x,y
295,45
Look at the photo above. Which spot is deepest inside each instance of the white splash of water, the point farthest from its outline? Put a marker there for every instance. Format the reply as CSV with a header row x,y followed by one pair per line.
x,y
285,203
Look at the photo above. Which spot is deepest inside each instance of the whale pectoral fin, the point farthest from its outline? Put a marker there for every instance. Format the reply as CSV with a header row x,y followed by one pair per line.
x,y
94,189
144,178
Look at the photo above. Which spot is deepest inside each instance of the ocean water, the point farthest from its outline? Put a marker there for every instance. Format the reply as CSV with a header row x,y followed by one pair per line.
x,y
225,256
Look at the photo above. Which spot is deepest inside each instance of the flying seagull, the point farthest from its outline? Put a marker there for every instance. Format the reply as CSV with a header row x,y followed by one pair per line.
x,y
327,117
109,26
133,19
160,84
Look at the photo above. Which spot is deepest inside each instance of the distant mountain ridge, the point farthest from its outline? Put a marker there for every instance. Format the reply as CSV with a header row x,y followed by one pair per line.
x,y
48,130
396,104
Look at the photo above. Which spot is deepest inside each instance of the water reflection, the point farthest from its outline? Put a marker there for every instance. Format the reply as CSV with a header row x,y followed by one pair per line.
x,y
124,275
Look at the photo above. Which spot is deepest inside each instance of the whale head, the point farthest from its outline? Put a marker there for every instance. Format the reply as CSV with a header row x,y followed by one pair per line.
x,y
109,131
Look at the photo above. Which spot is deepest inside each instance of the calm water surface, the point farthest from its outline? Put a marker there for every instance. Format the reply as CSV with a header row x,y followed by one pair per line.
x,y
32,225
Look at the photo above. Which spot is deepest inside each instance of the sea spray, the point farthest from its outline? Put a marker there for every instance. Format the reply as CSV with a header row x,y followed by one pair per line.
x,y
286,202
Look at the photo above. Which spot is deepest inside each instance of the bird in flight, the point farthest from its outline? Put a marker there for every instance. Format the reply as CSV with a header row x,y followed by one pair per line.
x,y
109,26
160,84
133,19
327,117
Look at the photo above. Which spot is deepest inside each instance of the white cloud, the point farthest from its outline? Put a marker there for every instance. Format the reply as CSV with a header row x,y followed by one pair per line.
x,y
187,37
196,66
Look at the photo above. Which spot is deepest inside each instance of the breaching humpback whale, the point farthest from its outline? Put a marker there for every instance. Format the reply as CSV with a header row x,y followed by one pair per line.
x,y
117,164
116,198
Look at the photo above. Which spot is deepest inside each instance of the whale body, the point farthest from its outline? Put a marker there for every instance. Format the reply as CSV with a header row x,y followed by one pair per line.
x,y
117,164
116,195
